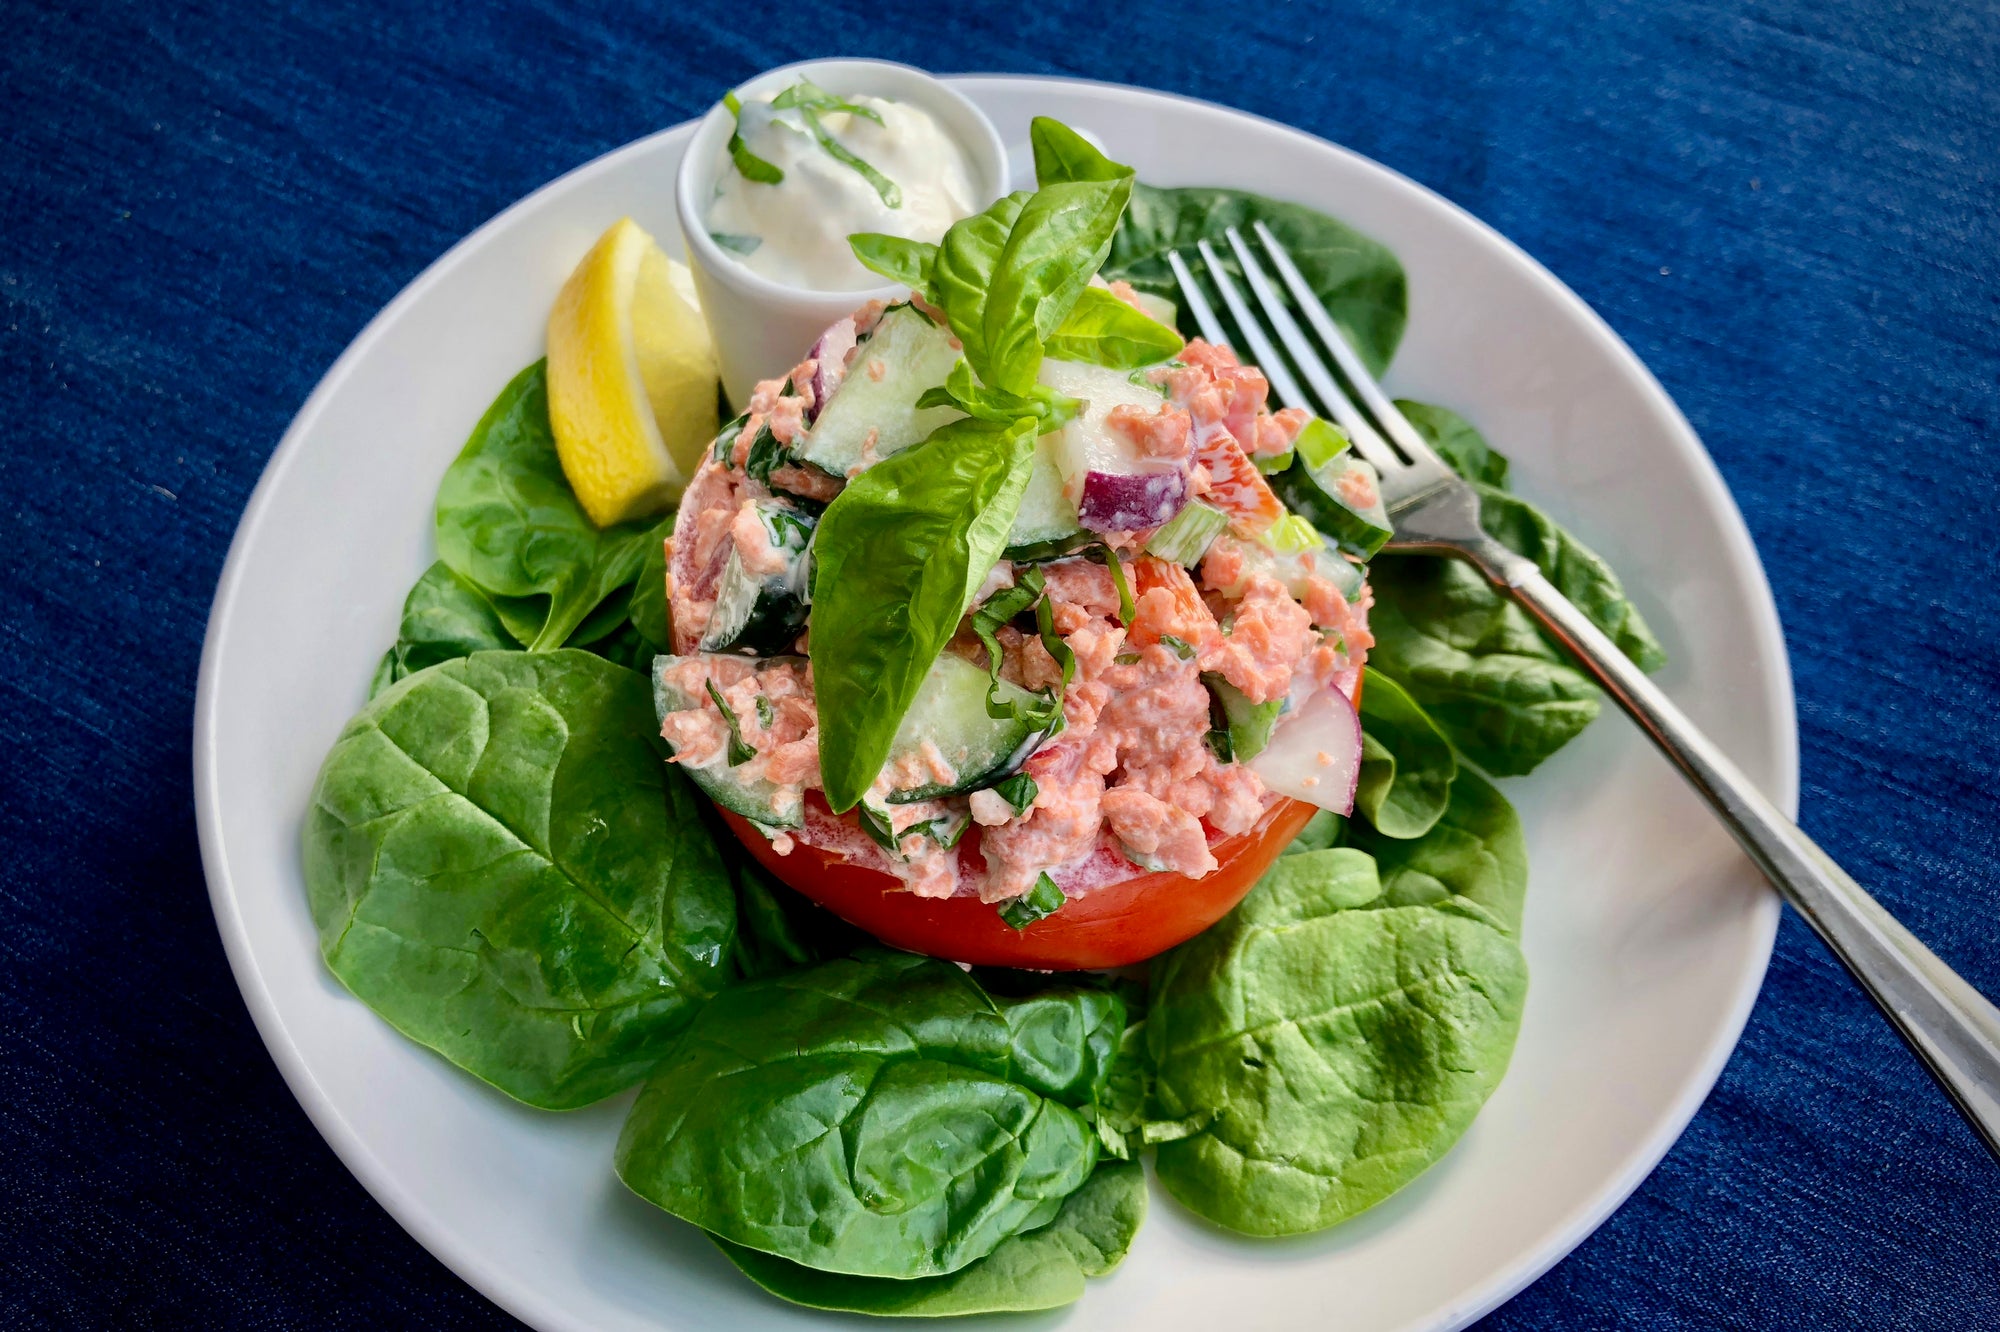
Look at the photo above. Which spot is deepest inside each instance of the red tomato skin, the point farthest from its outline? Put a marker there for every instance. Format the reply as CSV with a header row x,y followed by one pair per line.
x,y
1112,926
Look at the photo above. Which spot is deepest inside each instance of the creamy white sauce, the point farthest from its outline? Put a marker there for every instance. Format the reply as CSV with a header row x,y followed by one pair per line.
x,y
795,231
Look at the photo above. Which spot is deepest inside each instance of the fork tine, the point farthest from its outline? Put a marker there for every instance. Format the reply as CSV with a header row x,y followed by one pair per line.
x,y
1392,421
1204,313
1262,353
1367,442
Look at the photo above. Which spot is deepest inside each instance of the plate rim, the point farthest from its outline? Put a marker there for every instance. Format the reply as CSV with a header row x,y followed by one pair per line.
x,y
519,1297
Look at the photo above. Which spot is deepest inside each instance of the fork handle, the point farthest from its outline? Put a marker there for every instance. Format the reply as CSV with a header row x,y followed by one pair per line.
x,y
1952,1028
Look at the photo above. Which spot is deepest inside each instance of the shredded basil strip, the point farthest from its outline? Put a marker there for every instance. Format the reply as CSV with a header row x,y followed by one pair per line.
x,y
806,94
1053,642
876,824
1038,902
892,195
999,609
752,166
739,753
1019,791
736,242
1109,558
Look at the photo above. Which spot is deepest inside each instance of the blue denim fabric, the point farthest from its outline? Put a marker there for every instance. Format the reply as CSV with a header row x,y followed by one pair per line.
x,y
1788,209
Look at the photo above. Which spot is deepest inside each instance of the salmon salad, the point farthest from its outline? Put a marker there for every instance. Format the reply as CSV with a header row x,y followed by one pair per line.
x,y
1160,622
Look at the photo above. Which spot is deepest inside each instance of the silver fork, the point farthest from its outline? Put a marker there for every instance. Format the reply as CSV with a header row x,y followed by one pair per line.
x,y
1948,1024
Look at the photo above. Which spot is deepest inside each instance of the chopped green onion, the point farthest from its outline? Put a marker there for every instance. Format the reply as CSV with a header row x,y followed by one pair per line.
x,y
1319,443
1038,902
766,714
1292,535
739,753
1186,537
1182,648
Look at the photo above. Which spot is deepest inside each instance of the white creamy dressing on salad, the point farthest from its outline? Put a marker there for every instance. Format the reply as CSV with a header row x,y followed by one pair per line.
x,y
795,231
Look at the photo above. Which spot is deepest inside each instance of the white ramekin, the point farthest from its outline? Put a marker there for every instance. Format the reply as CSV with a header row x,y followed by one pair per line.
x,y
763,327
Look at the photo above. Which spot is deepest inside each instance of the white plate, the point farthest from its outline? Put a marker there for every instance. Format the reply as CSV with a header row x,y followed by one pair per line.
x,y
1647,934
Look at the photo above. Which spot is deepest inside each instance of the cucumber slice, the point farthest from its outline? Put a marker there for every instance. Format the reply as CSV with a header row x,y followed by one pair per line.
x,y
905,355
761,615
1246,725
1045,528
951,713
762,802
1341,497
1186,537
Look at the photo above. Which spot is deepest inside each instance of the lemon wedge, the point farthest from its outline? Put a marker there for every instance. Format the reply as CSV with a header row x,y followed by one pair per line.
x,y
632,377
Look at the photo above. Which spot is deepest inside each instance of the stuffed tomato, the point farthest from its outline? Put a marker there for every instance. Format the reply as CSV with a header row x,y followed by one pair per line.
x,y
1041,677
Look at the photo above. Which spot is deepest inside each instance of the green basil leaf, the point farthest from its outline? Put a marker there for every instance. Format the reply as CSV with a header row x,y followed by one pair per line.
x,y
1044,1269
500,865
1062,155
508,523
1360,281
1050,409
899,555
1103,330
881,1115
1008,277
1407,766
1476,663
906,261
1324,1044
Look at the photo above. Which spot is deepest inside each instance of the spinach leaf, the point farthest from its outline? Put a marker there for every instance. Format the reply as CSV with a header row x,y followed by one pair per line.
x,y
501,866
508,523
778,930
1578,572
384,674
445,617
1044,1269
1476,663
1325,1044
647,610
899,555
1323,830
1007,278
1474,853
1103,330
1359,280
1457,442
881,1115
1407,765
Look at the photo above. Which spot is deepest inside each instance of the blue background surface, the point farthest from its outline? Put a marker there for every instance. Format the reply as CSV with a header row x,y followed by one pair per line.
x,y
1788,208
